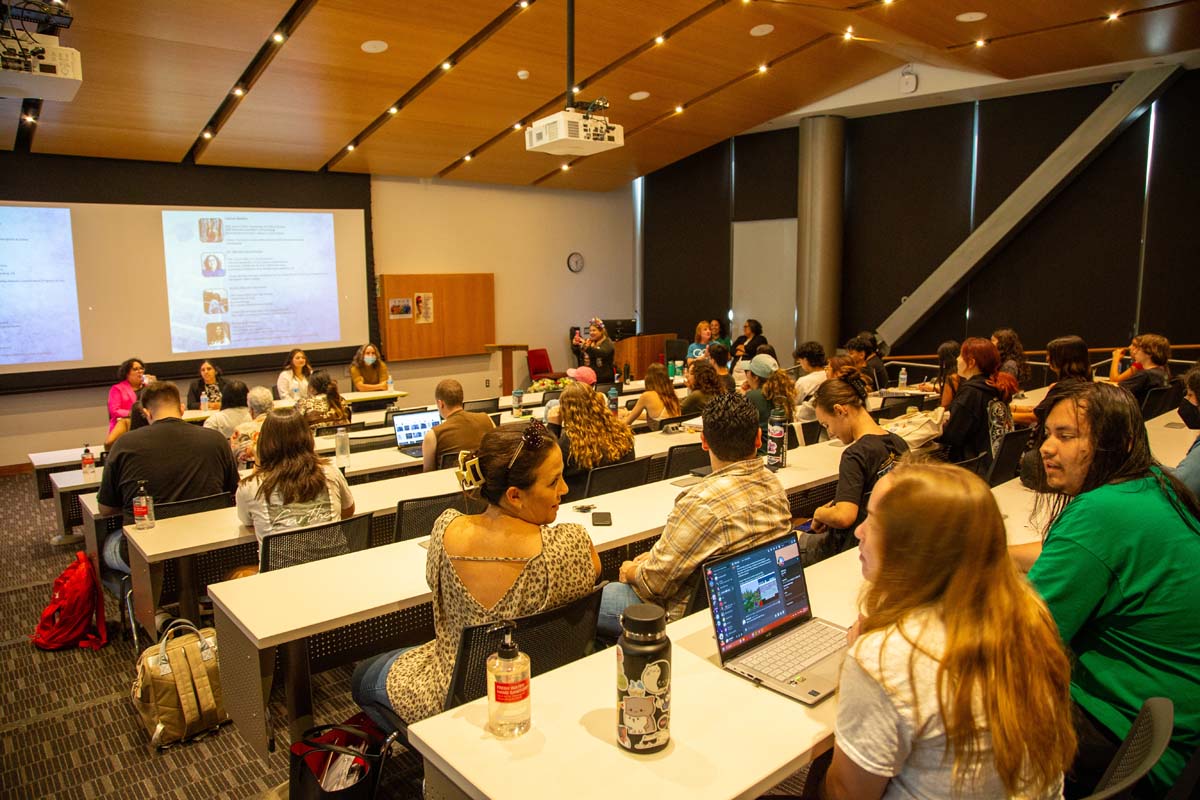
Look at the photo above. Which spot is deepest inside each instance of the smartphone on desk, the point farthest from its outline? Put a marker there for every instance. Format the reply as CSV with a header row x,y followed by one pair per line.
x,y
806,527
601,518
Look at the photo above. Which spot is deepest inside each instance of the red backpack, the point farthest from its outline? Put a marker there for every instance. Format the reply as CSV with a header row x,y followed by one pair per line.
x,y
75,600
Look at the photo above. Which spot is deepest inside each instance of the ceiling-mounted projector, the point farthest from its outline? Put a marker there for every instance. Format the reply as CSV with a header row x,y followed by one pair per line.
x,y
573,133
41,68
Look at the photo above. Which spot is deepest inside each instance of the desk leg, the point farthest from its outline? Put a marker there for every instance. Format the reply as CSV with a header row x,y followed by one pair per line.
x,y
297,688
90,538
60,510
246,675
440,787
147,590
189,591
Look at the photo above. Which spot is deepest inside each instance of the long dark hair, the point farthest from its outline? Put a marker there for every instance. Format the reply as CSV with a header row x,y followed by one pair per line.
x,y
1011,349
1120,448
1068,358
126,366
286,460
321,382
947,354
500,463
287,365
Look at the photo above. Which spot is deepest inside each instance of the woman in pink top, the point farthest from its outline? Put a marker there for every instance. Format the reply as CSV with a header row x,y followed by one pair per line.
x,y
123,395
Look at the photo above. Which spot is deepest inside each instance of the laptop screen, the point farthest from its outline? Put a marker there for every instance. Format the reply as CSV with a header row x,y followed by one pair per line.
x,y
756,594
412,427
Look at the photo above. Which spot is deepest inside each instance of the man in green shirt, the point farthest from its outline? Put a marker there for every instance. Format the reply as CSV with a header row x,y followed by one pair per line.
x,y
1118,571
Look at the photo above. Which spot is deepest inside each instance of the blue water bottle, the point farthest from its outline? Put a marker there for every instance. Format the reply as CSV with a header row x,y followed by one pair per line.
x,y
613,394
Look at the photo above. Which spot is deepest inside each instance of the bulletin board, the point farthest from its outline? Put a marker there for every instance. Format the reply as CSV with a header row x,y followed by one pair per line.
x,y
435,316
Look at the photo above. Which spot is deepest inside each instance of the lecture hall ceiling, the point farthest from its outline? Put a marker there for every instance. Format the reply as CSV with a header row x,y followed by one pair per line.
x,y
159,74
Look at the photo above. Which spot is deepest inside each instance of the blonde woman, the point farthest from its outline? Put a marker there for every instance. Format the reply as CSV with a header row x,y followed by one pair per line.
x,y
592,436
956,683
657,402
699,346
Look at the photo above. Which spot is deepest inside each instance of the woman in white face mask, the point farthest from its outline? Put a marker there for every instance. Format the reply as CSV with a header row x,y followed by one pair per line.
x,y
368,373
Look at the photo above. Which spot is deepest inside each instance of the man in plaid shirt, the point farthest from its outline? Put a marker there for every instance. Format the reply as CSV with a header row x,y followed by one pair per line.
x,y
740,504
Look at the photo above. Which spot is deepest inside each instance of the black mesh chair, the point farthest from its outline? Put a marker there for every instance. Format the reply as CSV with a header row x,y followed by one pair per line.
x,y
665,421
1162,399
699,600
615,477
630,403
392,412
495,418
1008,457
550,395
683,458
386,439
290,547
978,464
811,431
489,406
551,639
330,430
676,349
447,460
1145,743
180,508
415,516
892,407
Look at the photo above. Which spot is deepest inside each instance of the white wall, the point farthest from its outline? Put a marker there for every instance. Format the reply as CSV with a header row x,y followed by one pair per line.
x,y
521,235
764,281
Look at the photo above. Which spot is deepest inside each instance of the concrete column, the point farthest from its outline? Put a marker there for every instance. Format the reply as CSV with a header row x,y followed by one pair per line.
x,y
819,233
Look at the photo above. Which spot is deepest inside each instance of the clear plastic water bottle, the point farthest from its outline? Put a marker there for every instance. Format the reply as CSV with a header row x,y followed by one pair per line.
x,y
518,402
391,384
613,394
903,384
296,389
204,401
777,439
341,449
88,462
143,508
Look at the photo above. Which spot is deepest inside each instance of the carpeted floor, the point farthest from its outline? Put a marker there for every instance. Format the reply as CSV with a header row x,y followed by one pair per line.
x,y
67,727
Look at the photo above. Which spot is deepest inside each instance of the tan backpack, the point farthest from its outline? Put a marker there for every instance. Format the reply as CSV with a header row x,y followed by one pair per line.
x,y
177,688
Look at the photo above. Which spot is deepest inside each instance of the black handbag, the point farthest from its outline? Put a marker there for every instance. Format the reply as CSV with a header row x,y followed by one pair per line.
x,y
357,746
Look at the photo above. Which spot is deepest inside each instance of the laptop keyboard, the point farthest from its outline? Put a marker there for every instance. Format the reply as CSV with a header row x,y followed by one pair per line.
x,y
414,451
783,658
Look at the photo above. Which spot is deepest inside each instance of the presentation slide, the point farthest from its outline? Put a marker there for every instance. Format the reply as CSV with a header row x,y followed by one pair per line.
x,y
250,279
39,312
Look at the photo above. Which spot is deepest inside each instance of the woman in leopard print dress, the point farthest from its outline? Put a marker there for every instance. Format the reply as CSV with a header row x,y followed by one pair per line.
x,y
507,562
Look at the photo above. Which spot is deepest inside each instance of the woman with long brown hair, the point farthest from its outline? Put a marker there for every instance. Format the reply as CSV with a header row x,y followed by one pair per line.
x,y
956,683
325,405
592,436
291,485
703,385
658,401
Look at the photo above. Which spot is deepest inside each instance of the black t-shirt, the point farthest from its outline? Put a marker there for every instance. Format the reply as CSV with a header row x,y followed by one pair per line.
x,y
177,460
1141,382
863,463
877,372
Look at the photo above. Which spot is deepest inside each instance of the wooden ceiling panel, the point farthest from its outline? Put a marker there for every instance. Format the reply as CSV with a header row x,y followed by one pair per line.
x,y
483,95
152,75
707,54
10,118
808,76
1154,33
323,89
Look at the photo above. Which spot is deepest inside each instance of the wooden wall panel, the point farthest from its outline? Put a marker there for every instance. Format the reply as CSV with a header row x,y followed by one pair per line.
x,y
464,315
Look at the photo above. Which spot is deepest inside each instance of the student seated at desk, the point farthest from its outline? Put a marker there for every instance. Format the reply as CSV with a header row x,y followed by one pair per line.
x,y
1117,569
368,372
870,454
244,438
703,385
740,504
211,383
291,486
293,381
233,411
1149,354
459,430
979,416
324,405
946,382
177,461
956,683
1188,470
767,386
718,356
657,401
592,436
509,561
1068,360
863,350
1012,354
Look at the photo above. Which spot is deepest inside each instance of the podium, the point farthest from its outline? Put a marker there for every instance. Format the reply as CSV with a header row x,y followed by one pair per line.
x,y
640,352
506,371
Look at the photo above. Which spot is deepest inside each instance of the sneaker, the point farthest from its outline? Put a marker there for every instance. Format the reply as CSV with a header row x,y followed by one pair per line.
x,y
64,539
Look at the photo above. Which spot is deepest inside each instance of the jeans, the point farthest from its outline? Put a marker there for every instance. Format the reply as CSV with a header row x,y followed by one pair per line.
x,y
615,598
368,686
114,552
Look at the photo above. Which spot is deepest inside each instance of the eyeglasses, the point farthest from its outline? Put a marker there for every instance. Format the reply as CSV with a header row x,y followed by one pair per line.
x,y
535,437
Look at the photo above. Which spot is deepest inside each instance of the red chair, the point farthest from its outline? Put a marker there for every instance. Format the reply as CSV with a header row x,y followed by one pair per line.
x,y
539,365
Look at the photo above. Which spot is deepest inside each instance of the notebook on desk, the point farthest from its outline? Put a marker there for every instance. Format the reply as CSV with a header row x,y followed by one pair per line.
x,y
764,625
411,428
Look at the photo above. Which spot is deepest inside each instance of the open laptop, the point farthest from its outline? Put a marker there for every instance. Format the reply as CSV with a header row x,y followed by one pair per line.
x,y
765,629
411,429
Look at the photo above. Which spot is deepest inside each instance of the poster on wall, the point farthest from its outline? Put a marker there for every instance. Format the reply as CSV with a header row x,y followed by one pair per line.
x,y
424,312
400,308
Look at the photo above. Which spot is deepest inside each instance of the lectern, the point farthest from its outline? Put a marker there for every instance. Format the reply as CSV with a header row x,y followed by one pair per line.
x,y
506,351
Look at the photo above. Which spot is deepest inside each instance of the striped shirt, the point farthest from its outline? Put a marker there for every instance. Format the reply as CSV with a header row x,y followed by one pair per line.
x,y
737,506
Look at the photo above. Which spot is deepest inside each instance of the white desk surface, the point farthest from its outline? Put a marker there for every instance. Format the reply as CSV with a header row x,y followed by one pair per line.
x,y
61,458
196,415
1169,438
712,754
73,480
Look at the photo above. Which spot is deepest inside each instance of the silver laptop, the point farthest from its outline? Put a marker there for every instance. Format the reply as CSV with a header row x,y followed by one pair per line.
x,y
411,429
764,625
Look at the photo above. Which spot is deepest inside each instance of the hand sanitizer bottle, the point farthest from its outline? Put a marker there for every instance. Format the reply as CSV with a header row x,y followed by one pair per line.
x,y
509,708
143,508
88,463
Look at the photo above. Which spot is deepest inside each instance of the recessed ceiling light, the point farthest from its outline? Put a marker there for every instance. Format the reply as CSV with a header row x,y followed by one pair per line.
x,y
849,34
971,16
446,65
277,37
762,30
374,46
349,147
517,126
659,39
678,109
393,110
467,157
523,4
762,67
523,74
574,90
642,95
980,42
566,167
29,118
1113,17
207,134
238,91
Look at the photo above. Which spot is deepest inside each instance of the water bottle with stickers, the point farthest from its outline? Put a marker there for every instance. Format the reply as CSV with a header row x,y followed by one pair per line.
x,y
643,680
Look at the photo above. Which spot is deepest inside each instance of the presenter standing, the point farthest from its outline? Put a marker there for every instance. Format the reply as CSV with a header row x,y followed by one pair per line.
x,y
368,372
122,395
293,381
596,351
